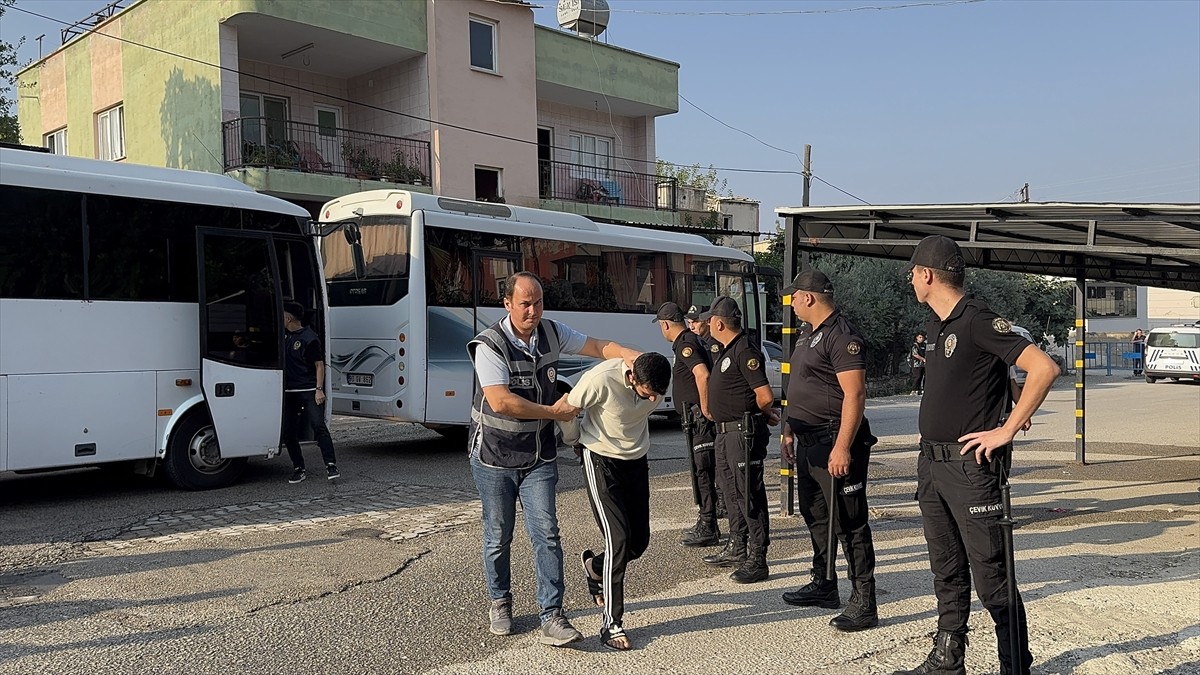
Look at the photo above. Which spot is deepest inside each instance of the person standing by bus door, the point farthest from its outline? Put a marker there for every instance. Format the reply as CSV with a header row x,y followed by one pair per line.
x,y
962,455
826,435
304,392
689,388
916,360
738,386
514,451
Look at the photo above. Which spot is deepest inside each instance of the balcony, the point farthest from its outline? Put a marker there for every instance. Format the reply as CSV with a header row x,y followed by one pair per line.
x,y
261,142
567,182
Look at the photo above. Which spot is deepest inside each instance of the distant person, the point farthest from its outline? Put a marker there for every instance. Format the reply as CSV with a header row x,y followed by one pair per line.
x,y
1139,349
615,434
916,359
304,392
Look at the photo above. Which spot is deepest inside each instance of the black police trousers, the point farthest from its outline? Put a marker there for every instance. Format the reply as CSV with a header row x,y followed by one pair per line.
x,y
704,463
300,409
961,511
732,472
812,485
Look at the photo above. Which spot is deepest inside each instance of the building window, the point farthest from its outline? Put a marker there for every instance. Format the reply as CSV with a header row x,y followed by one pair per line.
x,y
56,141
1109,301
488,185
591,156
110,133
483,44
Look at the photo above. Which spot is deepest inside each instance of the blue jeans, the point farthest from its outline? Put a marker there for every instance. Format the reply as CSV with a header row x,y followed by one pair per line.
x,y
499,490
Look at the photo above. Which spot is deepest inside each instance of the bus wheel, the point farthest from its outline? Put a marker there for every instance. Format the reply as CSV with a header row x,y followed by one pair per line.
x,y
1151,380
194,459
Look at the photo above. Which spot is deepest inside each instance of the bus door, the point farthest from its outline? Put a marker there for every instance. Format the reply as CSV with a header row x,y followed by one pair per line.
x,y
241,344
491,270
743,289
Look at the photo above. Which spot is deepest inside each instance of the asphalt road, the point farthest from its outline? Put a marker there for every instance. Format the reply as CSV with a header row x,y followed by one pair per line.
x,y
380,573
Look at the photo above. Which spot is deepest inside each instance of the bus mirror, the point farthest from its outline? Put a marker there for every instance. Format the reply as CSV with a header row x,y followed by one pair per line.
x,y
352,233
360,262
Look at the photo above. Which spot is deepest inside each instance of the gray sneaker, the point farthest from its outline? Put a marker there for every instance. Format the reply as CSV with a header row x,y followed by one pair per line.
x,y
500,615
558,632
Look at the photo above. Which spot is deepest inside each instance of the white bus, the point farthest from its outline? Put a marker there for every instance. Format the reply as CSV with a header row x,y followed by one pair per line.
x,y
432,276
140,316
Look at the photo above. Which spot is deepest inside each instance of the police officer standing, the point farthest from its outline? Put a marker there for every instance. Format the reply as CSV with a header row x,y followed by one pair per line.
x,y
965,445
689,387
738,386
827,436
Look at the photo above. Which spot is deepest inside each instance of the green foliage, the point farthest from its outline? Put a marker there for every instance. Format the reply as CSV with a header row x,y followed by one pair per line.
x,y
694,176
711,220
10,130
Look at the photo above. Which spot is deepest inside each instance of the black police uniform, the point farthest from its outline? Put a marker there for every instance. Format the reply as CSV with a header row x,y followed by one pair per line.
x,y
966,391
737,371
689,353
814,412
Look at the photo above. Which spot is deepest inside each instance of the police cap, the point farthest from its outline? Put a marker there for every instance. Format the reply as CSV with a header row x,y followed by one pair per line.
x,y
669,311
939,253
810,281
725,306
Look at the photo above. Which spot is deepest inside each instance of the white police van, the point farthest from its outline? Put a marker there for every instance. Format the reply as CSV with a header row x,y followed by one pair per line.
x,y
1173,351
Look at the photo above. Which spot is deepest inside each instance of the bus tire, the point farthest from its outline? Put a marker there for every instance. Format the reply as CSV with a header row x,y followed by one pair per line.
x,y
1151,380
193,459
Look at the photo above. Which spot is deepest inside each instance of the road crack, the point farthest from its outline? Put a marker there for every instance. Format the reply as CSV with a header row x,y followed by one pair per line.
x,y
343,588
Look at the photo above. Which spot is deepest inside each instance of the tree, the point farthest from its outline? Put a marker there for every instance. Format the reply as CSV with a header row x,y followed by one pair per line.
x,y
10,131
694,176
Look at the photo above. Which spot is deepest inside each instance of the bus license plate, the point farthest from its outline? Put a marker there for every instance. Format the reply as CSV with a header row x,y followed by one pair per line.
x,y
360,379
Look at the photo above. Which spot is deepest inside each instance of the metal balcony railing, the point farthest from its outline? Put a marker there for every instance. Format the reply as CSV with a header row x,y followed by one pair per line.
x,y
300,146
580,183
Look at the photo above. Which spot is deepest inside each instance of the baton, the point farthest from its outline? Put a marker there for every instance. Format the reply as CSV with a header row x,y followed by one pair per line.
x,y
1016,662
687,434
830,561
747,442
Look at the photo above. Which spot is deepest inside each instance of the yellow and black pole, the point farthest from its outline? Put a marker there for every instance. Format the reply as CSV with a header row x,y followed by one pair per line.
x,y
1080,356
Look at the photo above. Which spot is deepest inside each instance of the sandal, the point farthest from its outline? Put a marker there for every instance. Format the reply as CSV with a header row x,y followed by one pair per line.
x,y
593,584
610,634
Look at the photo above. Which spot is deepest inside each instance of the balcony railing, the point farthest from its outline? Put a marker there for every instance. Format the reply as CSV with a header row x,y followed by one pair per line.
x,y
300,146
589,184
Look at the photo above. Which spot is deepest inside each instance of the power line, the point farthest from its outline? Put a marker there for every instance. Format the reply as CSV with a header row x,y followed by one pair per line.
x,y
785,12
335,97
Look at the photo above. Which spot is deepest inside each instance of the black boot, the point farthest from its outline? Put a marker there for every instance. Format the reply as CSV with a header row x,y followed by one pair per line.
x,y
753,570
817,593
949,652
860,613
692,530
704,534
732,555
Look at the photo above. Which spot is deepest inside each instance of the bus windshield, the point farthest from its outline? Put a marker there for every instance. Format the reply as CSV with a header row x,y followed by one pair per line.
x,y
385,252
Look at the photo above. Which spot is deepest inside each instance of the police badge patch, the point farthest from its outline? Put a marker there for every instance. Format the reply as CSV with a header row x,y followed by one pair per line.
x,y
1001,325
687,351
725,364
951,343
752,364
550,373
853,348
815,340
715,348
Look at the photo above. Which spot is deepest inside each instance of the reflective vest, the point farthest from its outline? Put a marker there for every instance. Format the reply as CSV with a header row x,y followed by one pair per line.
x,y
509,442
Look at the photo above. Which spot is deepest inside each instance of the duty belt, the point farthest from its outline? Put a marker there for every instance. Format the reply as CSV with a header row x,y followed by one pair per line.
x,y
823,435
944,452
736,425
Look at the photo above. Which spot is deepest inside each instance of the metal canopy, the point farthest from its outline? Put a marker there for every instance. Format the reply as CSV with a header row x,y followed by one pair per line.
x,y
1141,244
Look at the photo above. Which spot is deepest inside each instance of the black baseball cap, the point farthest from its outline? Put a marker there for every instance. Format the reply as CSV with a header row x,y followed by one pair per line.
x,y
694,312
939,253
725,306
669,311
811,281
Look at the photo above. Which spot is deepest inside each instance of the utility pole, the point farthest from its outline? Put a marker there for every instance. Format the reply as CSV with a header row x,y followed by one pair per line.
x,y
1025,193
808,174
792,264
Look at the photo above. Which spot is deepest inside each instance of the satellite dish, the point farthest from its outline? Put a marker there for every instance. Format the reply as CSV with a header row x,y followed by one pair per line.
x,y
586,17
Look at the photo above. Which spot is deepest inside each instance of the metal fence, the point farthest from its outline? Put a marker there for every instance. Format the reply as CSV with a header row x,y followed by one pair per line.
x,y
300,146
1106,356
589,184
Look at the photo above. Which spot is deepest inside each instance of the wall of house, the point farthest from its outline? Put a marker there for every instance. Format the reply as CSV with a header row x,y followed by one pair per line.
x,y
284,83
503,103
633,139
402,87
1166,306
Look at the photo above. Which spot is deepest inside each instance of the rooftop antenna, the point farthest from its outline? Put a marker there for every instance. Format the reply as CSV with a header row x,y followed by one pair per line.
x,y
585,17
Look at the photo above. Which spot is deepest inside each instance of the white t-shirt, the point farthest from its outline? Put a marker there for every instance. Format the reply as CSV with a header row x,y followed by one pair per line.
x,y
616,420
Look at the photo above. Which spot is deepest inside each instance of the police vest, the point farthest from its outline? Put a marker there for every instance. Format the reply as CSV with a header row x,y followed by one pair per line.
x,y
508,442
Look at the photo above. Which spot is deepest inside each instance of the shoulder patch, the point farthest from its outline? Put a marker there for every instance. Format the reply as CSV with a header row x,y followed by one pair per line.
x,y
752,364
853,348
1001,325
687,351
714,348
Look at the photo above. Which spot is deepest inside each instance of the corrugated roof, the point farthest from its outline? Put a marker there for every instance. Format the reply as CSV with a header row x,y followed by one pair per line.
x,y
1143,244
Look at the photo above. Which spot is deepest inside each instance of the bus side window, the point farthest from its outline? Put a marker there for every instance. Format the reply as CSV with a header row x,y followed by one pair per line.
x,y
45,261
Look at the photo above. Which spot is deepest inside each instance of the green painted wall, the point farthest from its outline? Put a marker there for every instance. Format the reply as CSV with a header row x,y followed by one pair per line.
x,y
624,214
172,105
622,73
394,22
29,107
299,185
81,126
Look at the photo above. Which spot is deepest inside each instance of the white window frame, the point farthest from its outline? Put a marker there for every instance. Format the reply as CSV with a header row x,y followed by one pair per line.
x,y
593,163
495,28
110,133
499,177
58,138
